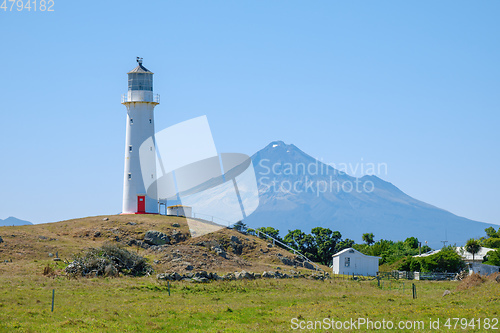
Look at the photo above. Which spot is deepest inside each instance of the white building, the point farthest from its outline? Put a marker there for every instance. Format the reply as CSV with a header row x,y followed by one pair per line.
x,y
180,210
351,261
140,170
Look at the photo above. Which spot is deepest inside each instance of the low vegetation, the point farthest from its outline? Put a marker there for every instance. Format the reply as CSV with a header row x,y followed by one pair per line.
x,y
108,260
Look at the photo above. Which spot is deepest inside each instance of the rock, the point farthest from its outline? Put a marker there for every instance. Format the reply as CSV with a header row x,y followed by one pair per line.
x,y
497,279
105,219
235,239
176,225
131,223
199,280
446,292
1,240
156,262
117,238
229,277
189,268
243,275
202,274
278,268
177,236
268,275
51,255
97,234
286,261
269,245
153,237
220,251
42,237
163,276
308,265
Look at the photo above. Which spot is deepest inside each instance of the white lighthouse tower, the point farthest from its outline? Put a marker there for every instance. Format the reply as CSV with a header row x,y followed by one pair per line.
x,y
140,103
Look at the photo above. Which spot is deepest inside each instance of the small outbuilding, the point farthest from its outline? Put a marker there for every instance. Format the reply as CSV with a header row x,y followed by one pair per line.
x,y
351,261
180,210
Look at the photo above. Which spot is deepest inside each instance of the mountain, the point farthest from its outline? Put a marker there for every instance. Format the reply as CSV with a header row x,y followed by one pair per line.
x,y
296,191
10,221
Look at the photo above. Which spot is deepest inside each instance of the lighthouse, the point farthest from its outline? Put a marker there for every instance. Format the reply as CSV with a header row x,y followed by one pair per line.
x,y
140,153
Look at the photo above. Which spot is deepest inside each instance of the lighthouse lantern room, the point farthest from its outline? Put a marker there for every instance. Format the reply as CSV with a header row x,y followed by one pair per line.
x,y
140,103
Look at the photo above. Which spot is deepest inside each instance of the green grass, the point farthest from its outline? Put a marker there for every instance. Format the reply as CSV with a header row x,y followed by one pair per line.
x,y
266,305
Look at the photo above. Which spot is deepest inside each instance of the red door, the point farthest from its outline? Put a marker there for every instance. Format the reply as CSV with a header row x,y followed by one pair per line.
x,y
141,204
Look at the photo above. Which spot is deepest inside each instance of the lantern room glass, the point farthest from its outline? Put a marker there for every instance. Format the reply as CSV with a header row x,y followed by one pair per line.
x,y
140,81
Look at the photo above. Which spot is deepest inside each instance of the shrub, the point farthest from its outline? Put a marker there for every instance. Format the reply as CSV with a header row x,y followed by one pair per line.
x,y
109,260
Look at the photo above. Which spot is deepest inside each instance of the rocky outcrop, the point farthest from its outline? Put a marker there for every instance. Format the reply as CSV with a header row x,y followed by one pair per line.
x,y
153,237
1,240
295,262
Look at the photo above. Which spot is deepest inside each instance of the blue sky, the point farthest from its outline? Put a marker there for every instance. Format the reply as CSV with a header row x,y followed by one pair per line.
x,y
413,84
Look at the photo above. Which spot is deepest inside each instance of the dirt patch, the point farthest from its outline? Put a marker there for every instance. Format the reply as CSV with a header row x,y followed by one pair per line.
x,y
472,281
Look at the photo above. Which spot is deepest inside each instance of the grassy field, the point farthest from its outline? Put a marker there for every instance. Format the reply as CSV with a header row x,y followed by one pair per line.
x,y
265,305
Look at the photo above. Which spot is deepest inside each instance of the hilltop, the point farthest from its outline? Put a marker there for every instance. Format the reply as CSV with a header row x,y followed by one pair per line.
x,y
225,250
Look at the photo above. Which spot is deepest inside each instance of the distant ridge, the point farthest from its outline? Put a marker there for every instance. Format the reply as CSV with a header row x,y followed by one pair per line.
x,y
10,221
386,211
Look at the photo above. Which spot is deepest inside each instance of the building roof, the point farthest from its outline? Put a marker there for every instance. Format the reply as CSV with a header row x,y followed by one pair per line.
x,y
140,69
463,253
179,206
351,250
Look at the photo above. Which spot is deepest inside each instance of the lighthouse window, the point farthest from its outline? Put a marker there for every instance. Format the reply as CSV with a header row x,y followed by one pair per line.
x,y
150,148
131,121
150,120
130,148
129,176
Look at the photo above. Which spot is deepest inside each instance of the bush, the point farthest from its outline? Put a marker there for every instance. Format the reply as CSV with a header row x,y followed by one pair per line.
x,y
492,243
446,260
109,260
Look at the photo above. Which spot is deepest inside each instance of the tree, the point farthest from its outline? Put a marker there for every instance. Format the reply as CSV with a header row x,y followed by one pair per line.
x,y
493,242
319,246
325,242
491,232
274,233
472,246
493,258
344,244
368,238
299,241
239,226
412,242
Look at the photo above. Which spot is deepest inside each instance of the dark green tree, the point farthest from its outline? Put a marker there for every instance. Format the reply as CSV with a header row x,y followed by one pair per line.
x,y
299,241
412,242
491,232
269,231
325,242
239,226
492,258
368,238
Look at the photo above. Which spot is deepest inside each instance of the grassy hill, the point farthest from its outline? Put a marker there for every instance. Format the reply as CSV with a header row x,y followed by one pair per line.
x,y
29,246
